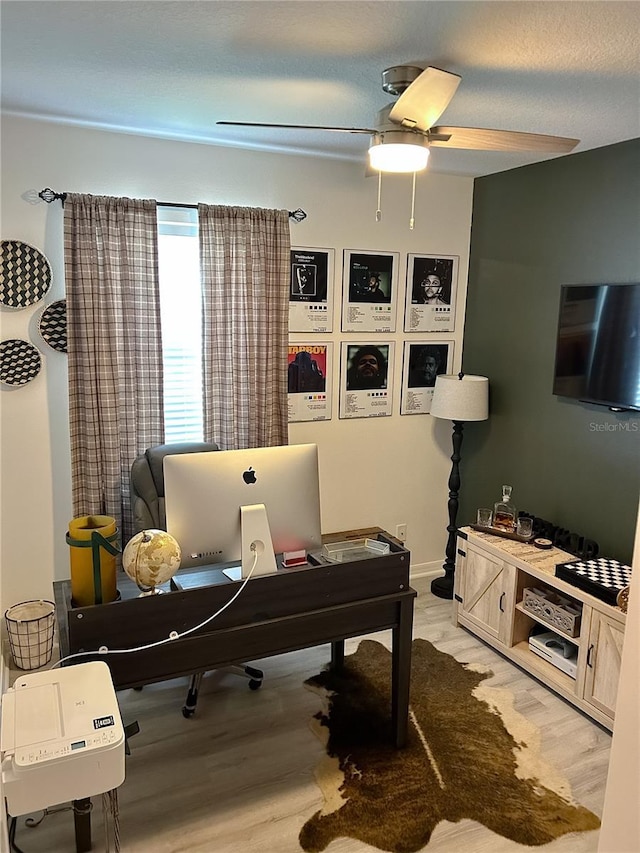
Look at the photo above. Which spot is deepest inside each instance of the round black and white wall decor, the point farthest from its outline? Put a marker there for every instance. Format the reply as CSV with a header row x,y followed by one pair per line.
x,y
25,274
20,362
53,325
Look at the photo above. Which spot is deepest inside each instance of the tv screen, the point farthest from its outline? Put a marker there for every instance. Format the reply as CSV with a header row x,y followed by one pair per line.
x,y
598,345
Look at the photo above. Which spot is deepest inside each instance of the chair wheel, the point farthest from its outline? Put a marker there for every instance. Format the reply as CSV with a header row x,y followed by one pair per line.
x,y
188,712
254,684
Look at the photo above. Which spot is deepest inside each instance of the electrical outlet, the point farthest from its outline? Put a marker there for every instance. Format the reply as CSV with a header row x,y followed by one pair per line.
x,y
401,532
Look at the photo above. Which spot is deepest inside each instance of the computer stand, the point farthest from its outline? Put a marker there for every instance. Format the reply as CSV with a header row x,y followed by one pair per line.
x,y
257,546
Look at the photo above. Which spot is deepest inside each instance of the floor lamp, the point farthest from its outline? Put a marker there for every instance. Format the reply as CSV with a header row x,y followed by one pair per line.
x,y
456,398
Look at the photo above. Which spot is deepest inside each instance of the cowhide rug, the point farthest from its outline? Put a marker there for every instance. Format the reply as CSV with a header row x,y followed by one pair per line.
x,y
469,755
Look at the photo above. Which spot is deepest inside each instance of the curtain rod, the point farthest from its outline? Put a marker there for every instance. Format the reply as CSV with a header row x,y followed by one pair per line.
x,y
50,195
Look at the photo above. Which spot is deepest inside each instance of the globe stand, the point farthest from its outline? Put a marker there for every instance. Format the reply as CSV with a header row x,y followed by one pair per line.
x,y
145,592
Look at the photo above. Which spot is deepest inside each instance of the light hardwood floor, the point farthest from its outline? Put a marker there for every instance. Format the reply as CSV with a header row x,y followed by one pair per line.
x,y
238,777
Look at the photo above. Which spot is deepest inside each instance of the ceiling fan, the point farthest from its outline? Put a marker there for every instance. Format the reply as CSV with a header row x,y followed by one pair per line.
x,y
405,130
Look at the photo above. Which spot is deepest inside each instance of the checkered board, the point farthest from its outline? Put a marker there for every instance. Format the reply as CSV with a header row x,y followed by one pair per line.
x,y
601,578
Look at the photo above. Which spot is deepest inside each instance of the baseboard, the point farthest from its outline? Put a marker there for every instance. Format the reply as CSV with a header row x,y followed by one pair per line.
x,y
5,667
4,686
426,570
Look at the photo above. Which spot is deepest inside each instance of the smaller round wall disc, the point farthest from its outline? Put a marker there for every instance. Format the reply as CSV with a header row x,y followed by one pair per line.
x,y
20,362
53,325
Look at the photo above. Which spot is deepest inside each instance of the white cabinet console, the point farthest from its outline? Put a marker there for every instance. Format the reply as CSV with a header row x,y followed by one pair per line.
x,y
506,591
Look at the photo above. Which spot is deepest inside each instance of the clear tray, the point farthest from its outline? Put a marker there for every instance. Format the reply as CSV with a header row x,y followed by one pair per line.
x,y
354,549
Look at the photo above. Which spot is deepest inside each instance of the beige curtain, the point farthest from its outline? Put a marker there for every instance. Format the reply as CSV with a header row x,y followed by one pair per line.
x,y
244,260
115,347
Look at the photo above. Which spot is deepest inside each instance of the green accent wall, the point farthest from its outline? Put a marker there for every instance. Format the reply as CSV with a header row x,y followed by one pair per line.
x,y
572,220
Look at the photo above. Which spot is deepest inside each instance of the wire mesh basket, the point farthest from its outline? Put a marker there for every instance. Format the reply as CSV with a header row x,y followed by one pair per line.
x,y
30,626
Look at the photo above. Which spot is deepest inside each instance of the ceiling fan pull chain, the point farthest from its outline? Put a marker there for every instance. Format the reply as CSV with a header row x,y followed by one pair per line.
x,y
412,221
379,210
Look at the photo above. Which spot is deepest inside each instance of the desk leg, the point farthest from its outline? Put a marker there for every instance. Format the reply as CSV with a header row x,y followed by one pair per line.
x,y
401,672
82,822
337,654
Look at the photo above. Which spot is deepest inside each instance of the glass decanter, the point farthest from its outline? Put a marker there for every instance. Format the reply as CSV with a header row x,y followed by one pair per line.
x,y
504,512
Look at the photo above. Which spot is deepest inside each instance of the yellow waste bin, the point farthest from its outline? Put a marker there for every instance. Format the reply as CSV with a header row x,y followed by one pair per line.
x,y
92,540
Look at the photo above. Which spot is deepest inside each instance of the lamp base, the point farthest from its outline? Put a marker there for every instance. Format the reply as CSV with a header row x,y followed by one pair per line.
x,y
442,587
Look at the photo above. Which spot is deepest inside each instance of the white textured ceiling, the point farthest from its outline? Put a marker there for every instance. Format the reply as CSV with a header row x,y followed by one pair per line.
x,y
172,69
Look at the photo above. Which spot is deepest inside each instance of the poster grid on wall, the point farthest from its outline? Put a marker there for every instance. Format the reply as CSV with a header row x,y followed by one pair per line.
x,y
422,362
311,290
430,295
310,372
369,291
366,379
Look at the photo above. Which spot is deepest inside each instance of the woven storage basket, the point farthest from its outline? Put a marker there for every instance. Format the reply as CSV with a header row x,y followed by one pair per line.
x,y
553,610
30,626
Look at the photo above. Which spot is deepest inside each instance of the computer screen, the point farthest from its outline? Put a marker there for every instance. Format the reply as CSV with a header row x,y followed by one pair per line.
x,y
204,493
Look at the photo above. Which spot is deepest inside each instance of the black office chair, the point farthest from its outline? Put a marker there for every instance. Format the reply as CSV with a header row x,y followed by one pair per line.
x,y
148,507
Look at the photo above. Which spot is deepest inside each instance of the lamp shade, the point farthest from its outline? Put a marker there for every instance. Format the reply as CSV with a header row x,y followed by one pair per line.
x,y
399,151
461,398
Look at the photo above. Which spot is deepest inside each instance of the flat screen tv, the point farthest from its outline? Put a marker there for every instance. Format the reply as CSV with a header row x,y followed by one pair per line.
x,y
598,345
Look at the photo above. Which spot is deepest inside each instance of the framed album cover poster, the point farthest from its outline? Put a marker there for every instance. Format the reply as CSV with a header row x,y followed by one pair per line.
x,y
309,375
311,290
430,299
366,371
369,291
422,362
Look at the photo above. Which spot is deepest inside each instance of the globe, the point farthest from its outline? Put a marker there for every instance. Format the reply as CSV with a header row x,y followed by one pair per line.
x,y
151,558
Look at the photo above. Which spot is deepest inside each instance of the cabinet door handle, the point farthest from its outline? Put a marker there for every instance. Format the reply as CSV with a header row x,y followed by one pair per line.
x,y
500,602
589,653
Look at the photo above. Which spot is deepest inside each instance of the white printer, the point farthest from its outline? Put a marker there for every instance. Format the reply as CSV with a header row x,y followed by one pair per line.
x,y
61,737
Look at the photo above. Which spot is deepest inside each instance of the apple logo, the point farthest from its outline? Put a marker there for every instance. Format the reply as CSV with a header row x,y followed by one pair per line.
x,y
249,476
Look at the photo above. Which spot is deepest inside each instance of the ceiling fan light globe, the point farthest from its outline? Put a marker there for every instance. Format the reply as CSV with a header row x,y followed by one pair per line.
x,y
410,155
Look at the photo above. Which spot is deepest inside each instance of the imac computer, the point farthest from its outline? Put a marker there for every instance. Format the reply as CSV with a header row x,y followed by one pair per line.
x,y
233,506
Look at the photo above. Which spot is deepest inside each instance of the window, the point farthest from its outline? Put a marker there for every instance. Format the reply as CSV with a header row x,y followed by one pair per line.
x,y
181,317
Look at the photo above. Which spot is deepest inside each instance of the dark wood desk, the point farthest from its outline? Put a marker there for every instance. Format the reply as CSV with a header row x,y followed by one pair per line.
x,y
291,610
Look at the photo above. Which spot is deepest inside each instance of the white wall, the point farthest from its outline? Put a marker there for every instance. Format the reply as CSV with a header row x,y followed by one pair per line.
x,y
373,472
620,832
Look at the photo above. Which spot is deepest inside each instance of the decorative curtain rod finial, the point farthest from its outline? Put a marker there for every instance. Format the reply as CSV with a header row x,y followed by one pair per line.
x,y
49,195
299,215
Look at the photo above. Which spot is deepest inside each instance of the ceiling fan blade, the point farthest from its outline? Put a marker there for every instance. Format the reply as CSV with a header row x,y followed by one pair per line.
x,y
422,104
481,139
298,126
